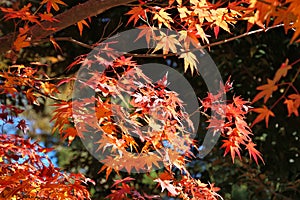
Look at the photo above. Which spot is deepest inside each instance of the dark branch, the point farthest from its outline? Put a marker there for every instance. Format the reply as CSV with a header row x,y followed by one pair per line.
x,y
66,19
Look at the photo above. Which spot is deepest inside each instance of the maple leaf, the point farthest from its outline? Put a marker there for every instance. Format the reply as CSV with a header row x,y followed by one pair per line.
x,y
21,42
32,97
136,13
24,30
70,133
242,127
282,71
80,26
49,88
46,181
23,126
264,113
201,33
23,14
166,184
167,42
63,113
190,61
53,4
294,9
163,18
123,61
217,18
108,171
293,104
47,17
253,153
56,46
232,147
189,37
146,31
266,92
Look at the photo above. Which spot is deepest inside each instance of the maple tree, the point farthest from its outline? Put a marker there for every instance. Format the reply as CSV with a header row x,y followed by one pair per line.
x,y
124,97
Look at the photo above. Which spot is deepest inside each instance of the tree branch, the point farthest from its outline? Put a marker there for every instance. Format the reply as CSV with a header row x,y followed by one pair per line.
x,y
66,19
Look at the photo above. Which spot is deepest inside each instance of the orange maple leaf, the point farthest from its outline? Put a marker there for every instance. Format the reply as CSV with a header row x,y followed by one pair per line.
x,y
49,88
136,13
294,9
70,133
47,17
80,26
293,104
53,4
266,92
264,113
282,71
56,46
21,42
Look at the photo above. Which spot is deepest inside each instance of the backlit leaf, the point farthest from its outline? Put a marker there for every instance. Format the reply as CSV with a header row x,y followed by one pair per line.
x,y
53,4
80,25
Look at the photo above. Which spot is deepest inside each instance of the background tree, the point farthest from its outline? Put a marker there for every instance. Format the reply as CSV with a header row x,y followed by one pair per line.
x,y
43,44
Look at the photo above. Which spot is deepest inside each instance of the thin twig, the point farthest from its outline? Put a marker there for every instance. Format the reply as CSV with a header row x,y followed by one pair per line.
x,y
68,39
286,89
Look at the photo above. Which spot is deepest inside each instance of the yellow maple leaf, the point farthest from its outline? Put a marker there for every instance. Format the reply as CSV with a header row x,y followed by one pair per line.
x,y
190,61
166,43
163,18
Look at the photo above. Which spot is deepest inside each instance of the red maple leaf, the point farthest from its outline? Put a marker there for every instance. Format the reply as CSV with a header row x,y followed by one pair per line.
x,y
232,147
253,152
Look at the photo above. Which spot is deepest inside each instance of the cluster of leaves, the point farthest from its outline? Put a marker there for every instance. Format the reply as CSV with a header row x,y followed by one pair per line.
x,y
28,173
229,120
127,101
193,18
140,125
26,16
122,190
186,188
291,100
134,116
19,80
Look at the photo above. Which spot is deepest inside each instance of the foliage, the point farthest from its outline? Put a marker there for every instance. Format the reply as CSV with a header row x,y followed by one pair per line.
x,y
26,172
166,141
